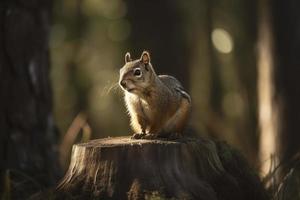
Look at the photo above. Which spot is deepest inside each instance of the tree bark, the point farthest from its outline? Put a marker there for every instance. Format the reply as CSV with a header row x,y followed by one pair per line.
x,y
286,18
28,137
188,168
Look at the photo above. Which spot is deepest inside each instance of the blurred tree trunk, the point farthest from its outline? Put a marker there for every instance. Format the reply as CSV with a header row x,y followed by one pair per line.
x,y
233,75
28,137
245,35
216,93
282,35
286,20
267,107
163,36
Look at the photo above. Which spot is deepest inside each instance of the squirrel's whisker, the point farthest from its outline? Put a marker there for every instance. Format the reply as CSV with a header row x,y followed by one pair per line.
x,y
108,89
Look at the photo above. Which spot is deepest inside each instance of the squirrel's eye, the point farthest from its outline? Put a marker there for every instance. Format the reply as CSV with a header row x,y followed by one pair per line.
x,y
137,72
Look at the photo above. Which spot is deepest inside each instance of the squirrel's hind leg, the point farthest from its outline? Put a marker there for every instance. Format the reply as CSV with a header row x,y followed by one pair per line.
x,y
177,122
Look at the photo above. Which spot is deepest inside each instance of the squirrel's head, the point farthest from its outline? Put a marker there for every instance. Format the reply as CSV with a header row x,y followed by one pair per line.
x,y
136,75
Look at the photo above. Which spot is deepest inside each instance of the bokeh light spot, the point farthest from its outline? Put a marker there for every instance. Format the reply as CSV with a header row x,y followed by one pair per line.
x,y
222,40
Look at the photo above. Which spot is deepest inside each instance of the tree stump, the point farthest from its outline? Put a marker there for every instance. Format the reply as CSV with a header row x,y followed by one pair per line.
x,y
187,168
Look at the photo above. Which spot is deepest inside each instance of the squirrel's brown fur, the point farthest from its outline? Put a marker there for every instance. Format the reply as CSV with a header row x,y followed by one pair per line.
x,y
157,104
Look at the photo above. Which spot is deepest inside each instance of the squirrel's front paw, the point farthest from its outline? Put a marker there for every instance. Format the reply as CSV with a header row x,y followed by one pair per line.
x,y
138,136
149,136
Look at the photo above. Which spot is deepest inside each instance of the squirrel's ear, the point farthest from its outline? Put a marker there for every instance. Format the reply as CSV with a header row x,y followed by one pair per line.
x,y
127,57
145,58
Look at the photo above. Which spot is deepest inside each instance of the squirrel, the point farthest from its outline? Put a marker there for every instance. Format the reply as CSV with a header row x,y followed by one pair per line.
x,y
158,105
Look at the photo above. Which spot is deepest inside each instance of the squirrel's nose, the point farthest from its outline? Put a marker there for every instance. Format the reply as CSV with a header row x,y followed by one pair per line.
x,y
123,83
